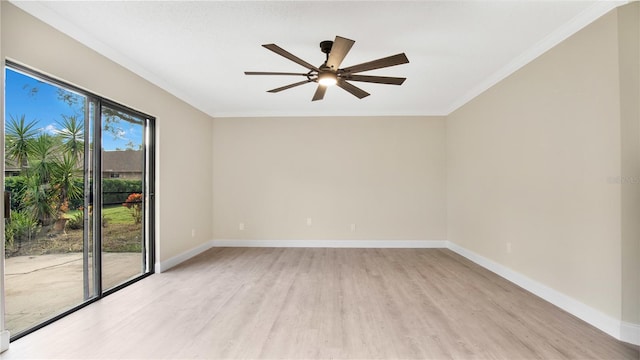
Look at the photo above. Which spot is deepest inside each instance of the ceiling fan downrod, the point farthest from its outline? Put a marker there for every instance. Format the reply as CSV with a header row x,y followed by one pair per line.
x,y
326,46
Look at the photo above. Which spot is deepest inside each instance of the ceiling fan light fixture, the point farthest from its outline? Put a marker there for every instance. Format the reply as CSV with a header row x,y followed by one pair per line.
x,y
327,78
330,73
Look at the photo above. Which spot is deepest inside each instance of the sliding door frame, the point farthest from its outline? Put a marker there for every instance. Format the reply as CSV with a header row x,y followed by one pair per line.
x,y
148,188
95,193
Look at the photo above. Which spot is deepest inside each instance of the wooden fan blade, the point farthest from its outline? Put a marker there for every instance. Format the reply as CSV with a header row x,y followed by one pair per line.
x,y
272,73
378,64
339,50
376,79
319,95
282,52
290,86
354,90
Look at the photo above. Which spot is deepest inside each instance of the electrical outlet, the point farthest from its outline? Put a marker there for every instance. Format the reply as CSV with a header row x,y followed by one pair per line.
x,y
508,248
353,227
241,226
308,221
193,232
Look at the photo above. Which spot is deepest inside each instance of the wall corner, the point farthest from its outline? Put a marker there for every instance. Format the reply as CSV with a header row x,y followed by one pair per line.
x,y
4,341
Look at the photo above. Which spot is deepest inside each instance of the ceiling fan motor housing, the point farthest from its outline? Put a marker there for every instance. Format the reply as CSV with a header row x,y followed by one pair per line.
x,y
326,46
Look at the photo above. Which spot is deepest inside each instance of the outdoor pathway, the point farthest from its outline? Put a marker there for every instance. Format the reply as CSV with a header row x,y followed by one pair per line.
x,y
38,287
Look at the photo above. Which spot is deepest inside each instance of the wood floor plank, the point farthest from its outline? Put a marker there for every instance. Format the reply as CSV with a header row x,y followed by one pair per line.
x,y
280,303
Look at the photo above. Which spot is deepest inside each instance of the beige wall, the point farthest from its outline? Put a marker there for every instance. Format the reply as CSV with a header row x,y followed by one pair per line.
x,y
530,163
629,57
384,174
183,133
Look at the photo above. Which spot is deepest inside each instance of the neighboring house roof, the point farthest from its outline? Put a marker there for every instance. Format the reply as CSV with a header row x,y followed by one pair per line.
x,y
122,161
10,166
112,161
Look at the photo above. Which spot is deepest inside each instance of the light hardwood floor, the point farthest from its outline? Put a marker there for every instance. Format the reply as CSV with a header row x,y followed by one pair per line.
x,y
322,303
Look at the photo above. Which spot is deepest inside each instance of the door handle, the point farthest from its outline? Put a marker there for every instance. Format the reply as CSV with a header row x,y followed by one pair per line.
x,y
7,205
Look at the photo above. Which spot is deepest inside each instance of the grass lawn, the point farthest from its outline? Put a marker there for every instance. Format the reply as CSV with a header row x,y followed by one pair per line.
x,y
114,214
120,233
118,214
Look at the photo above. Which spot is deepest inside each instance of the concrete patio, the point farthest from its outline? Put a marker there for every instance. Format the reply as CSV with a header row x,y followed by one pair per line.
x,y
39,287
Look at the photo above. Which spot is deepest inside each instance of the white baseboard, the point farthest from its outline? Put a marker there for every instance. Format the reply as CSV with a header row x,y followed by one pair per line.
x,y
588,314
165,265
362,244
620,330
4,340
630,333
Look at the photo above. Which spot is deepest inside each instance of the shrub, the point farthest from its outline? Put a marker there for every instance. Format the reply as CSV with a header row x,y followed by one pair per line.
x,y
22,226
116,191
15,185
9,236
134,203
76,222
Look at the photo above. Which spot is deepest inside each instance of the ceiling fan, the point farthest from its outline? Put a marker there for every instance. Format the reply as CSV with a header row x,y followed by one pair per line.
x,y
329,73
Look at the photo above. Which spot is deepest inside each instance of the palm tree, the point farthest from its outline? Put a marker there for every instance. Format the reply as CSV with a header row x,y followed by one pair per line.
x,y
65,173
72,135
39,200
19,136
43,152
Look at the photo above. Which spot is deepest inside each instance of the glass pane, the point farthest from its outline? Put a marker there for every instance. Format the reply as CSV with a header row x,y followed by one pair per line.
x,y
123,204
45,239
89,267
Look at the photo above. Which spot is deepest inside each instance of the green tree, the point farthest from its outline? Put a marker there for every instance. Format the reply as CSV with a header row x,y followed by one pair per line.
x,y
65,175
43,152
40,200
111,121
75,101
72,135
20,135
111,118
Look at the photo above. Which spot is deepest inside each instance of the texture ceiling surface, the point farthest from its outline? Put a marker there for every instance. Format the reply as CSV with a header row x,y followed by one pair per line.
x,y
199,50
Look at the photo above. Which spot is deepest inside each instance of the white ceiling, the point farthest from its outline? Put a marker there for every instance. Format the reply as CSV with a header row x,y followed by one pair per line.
x,y
199,50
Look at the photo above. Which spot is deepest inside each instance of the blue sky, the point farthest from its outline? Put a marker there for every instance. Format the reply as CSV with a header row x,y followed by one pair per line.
x,y
43,105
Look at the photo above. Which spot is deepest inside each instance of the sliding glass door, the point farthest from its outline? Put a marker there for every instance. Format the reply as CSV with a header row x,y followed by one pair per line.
x,y
124,194
78,172
47,146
